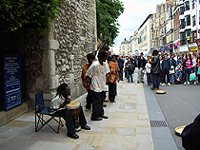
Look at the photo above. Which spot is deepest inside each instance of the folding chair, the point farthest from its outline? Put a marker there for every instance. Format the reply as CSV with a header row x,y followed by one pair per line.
x,y
41,111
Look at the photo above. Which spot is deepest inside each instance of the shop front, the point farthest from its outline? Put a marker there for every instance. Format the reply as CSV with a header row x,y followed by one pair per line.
x,y
193,47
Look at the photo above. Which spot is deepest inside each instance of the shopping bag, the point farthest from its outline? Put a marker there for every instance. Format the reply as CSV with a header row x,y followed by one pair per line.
x,y
192,77
198,71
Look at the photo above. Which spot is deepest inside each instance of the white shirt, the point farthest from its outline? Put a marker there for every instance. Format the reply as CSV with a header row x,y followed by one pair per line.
x,y
148,67
97,73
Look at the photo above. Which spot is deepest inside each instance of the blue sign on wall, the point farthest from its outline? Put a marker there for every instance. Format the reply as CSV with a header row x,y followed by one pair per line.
x,y
12,81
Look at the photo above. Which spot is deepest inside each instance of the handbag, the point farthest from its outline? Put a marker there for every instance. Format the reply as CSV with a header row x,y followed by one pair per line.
x,y
192,77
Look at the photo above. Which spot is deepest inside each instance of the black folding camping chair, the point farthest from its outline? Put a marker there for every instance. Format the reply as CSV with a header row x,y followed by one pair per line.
x,y
44,115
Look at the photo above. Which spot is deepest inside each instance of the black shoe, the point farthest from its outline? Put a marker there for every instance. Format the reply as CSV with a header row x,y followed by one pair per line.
x,y
96,118
104,105
105,100
73,135
104,117
85,127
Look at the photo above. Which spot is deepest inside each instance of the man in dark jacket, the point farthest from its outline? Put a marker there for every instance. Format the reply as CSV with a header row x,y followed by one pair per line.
x,y
120,61
155,70
165,69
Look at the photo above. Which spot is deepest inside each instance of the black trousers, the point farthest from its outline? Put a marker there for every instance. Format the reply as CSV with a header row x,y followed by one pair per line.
x,y
69,120
112,92
89,99
97,104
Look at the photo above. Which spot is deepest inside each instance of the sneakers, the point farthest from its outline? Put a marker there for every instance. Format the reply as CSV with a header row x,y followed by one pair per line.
x,y
184,83
163,84
168,84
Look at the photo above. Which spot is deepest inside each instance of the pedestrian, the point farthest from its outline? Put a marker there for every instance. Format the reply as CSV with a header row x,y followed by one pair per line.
x,y
165,69
198,68
130,67
148,70
187,65
113,77
141,66
97,74
155,70
120,62
172,70
64,91
87,81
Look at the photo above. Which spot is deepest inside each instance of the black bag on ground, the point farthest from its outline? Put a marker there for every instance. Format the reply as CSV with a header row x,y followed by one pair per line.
x,y
191,135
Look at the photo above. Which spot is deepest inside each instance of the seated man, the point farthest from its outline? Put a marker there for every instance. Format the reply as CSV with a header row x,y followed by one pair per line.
x,y
64,92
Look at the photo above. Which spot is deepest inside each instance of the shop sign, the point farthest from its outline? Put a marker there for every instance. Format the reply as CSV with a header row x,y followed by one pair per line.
x,y
193,49
12,81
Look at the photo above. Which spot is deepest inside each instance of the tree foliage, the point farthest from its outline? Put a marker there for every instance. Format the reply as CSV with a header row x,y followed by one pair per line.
x,y
32,14
108,12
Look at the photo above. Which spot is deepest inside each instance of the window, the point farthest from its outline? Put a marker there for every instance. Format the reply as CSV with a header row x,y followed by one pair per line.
x,y
182,10
193,20
187,5
193,5
182,38
187,20
182,23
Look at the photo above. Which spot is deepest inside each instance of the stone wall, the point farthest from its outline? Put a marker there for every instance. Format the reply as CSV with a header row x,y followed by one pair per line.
x,y
56,58
75,31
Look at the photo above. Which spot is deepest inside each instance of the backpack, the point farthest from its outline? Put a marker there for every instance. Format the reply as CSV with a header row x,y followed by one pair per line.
x,y
191,135
131,67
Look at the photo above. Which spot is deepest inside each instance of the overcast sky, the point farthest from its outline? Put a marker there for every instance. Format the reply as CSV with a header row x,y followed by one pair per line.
x,y
135,12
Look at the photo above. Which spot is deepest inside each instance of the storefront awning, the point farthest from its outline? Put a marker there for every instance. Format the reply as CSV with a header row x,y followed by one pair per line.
x,y
183,48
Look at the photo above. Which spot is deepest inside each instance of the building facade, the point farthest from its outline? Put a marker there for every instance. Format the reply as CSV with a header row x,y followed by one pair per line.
x,y
144,34
125,49
189,25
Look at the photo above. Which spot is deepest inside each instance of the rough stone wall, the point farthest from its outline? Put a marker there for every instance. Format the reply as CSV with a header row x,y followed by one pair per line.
x,y
75,33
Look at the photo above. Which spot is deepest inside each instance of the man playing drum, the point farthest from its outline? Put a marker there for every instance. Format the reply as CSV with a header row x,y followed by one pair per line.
x,y
68,114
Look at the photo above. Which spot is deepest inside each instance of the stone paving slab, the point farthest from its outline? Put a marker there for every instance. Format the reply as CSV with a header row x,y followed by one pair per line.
x,y
127,128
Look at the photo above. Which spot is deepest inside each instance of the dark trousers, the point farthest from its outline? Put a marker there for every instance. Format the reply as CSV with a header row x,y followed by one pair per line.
x,y
89,99
149,80
112,92
121,74
165,73
155,80
97,104
69,120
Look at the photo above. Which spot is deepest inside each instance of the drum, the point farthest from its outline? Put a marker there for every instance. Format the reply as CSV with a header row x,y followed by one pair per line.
x,y
74,107
160,92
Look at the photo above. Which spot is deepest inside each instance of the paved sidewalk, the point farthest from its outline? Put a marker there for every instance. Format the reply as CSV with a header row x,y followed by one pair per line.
x,y
127,128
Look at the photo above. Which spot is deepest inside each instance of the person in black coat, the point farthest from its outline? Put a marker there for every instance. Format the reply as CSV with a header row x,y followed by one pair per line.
x,y
155,70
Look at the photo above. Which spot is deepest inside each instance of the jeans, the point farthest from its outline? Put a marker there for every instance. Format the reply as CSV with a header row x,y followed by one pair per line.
x,y
130,78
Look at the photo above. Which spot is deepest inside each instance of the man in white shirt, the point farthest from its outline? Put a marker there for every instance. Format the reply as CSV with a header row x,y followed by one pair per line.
x,y
97,72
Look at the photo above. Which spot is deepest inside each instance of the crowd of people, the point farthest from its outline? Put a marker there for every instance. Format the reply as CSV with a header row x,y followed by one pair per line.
x,y
161,68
